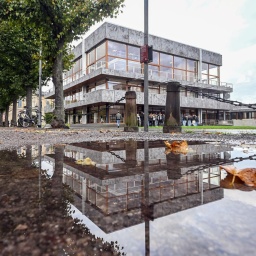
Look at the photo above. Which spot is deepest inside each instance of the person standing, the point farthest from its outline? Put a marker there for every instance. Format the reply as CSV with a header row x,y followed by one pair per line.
x,y
118,118
142,118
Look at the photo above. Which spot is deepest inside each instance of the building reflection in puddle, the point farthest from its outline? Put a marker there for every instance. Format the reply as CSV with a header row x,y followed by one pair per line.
x,y
134,182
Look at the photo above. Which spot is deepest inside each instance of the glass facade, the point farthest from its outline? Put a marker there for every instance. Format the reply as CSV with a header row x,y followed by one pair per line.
x,y
123,57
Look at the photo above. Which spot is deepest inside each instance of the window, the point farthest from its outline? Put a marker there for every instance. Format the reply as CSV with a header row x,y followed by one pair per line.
x,y
166,60
133,53
210,74
166,72
19,103
191,65
116,49
114,85
91,57
100,85
116,63
213,70
101,63
101,51
153,70
134,66
179,62
155,58
179,74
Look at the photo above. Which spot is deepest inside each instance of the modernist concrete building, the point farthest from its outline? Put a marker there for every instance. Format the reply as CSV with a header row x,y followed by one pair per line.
x,y
107,64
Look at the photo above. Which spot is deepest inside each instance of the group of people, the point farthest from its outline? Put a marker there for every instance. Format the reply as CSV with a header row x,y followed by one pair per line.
x,y
154,119
190,120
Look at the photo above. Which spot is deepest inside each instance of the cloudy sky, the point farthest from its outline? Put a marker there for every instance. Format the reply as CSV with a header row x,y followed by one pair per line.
x,y
223,26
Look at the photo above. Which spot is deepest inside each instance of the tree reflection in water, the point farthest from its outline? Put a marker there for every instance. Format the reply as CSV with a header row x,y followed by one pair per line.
x,y
35,211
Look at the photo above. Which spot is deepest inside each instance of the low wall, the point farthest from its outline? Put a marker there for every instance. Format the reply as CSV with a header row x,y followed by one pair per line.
x,y
244,122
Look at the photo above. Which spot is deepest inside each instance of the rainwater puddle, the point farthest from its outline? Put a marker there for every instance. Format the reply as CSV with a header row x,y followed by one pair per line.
x,y
136,198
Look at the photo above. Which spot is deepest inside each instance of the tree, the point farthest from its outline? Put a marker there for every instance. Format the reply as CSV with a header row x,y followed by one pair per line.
x,y
19,64
59,22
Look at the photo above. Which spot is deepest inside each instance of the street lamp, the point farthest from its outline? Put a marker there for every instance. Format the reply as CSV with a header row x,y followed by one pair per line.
x,y
39,123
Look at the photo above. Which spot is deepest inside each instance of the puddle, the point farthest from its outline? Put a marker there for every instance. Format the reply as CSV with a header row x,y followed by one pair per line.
x,y
135,198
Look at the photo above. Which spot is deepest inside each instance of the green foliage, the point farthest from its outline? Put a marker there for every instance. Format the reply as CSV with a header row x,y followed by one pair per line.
x,y
18,65
58,22
48,117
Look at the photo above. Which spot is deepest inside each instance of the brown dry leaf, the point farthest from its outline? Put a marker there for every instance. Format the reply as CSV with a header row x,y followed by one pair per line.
x,y
238,184
177,147
247,175
21,227
168,144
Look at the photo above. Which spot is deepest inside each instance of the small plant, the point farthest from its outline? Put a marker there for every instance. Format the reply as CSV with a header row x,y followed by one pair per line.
x,y
49,117
189,131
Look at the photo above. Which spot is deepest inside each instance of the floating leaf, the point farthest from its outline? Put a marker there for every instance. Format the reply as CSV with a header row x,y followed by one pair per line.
x,y
86,161
247,175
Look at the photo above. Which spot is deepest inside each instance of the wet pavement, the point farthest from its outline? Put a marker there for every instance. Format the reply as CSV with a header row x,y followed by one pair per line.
x,y
132,198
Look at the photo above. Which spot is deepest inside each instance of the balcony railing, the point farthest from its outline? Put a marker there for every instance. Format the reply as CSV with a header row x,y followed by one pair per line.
x,y
163,76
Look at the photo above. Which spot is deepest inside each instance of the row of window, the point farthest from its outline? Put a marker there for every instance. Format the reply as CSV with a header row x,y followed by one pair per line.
x,y
119,56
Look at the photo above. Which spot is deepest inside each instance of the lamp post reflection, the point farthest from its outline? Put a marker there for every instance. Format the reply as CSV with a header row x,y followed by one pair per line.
x,y
145,204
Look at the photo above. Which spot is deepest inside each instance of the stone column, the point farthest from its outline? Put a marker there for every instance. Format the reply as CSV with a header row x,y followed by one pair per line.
x,y
131,153
107,112
173,166
130,112
84,116
172,121
200,115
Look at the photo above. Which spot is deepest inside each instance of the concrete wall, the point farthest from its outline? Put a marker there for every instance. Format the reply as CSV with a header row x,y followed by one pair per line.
x,y
112,96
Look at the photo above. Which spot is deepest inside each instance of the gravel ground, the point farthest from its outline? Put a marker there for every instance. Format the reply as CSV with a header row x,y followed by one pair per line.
x,y
11,138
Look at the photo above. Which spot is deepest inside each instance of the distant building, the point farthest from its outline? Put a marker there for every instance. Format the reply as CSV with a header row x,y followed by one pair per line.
x,y
107,64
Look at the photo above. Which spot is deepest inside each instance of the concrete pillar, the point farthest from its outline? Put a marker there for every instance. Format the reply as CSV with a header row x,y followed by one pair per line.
x,y
173,166
224,115
83,58
107,113
200,115
84,116
130,112
95,118
131,153
244,115
218,115
200,66
172,122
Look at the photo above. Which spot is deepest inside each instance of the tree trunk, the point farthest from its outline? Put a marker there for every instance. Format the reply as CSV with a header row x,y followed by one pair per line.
x,y
29,100
57,176
6,121
14,113
59,113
